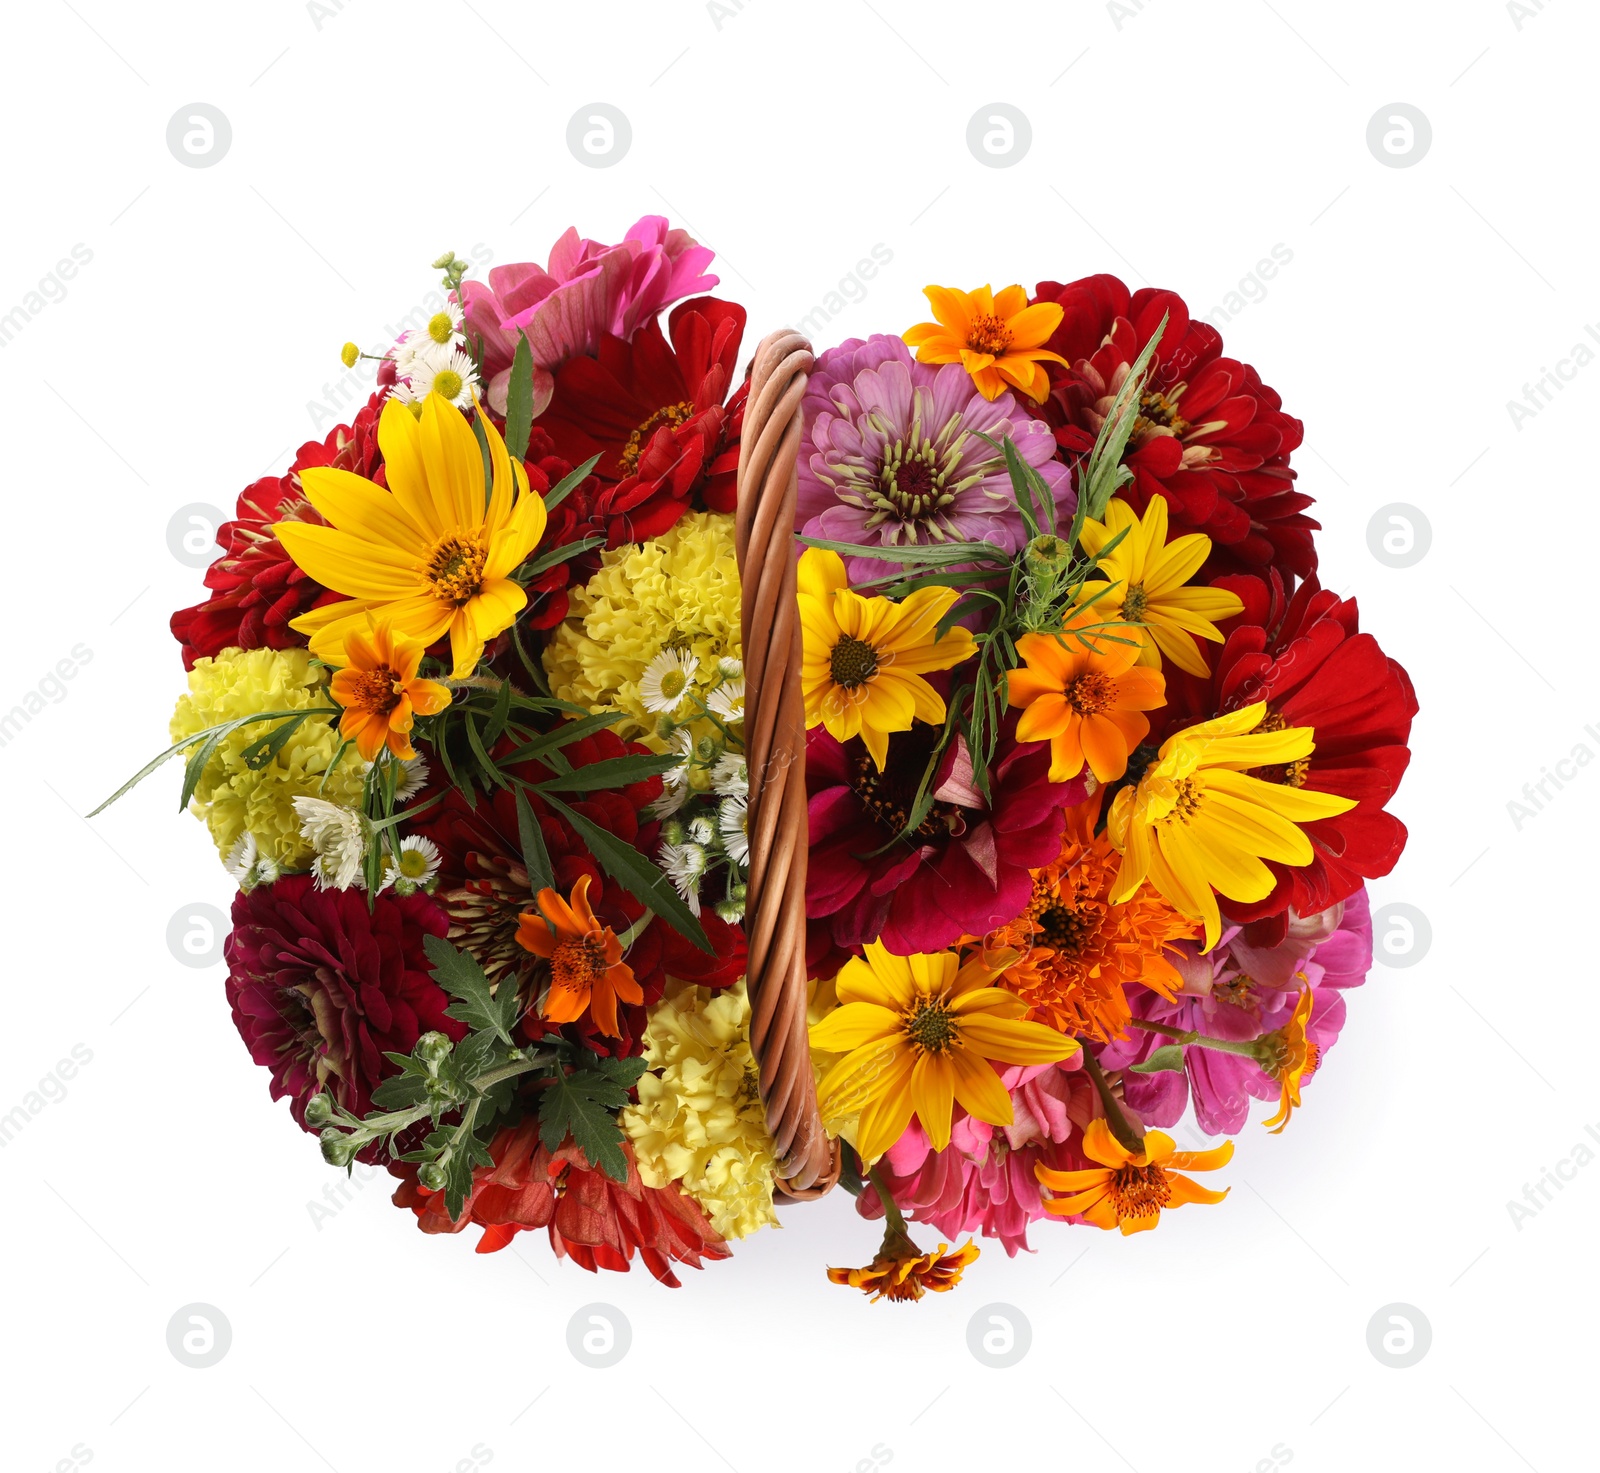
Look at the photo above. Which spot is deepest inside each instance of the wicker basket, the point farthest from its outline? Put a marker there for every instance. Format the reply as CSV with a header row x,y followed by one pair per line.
x,y
775,746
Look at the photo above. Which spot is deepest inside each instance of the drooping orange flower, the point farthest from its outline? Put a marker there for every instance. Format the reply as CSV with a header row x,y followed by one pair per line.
x,y
902,1273
586,966
1077,950
1128,1190
1294,1059
380,692
1085,695
998,338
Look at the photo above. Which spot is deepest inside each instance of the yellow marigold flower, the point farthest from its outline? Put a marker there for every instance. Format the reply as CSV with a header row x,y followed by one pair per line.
x,y
902,1273
998,339
677,592
1128,1190
864,658
434,552
1143,582
1291,1059
699,1120
1199,824
234,799
920,1033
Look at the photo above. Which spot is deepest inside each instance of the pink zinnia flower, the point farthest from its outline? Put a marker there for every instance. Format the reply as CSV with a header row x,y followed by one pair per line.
x,y
1240,992
586,291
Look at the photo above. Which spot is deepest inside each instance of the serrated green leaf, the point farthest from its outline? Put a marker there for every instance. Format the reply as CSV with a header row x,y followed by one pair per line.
x,y
465,981
400,1093
613,772
584,1105
519,399
1168,1059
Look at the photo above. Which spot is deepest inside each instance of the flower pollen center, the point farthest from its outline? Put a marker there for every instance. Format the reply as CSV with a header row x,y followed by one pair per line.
x,y
447,384
1064,929
988,334
455,569
1159,414
1090,692
931,1026
439,328
669,416
1285,774
853,662
1140,1191
377,691
1134,602
579,963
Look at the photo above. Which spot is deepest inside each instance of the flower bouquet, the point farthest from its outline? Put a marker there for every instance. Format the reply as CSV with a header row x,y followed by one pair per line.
x,y
659,786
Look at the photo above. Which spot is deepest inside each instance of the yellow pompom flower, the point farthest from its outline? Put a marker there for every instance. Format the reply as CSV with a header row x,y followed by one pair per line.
x,y
676,594
1199,824
699,1120
235,799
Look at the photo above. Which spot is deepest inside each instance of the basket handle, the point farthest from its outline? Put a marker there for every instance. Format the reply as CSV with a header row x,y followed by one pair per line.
x,y
775,745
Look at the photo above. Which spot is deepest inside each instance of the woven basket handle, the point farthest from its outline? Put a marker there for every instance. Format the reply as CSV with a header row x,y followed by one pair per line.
x,y
775,745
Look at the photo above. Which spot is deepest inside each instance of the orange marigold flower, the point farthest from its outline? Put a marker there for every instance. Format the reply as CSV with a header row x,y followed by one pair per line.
x,y
1291,1058
902,1272
1127,1190
1077,950
380,692
998,338
586,965
1086,696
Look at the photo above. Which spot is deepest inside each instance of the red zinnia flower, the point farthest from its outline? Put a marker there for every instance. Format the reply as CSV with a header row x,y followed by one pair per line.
x,y
1211,437
593,1220
484,886
655,414
964,872
321,987
1310,663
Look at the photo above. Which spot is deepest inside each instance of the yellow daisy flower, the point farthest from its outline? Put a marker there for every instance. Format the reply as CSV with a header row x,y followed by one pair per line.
x,y
431,553
1198,824
864,658
918,1034
998,339
1143,584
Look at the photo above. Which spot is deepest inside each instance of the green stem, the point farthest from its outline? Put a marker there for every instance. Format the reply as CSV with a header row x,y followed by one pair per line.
x,y
891,1212
1121,1127
395,1121
1188,1037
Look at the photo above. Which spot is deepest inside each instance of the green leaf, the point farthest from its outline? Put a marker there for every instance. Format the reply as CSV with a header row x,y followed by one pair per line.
x,y
1166,1059
535,856
569,483
482,436
613,772
261,751
464,979
402,1092
922,552
1105,473
641,877
583,1104
558,555
481,752
562,736
213,737
500,715
519,399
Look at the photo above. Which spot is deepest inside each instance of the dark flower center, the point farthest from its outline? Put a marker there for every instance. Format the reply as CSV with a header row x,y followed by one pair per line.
x,y
1157,412
579,963
1065,929
1090,692
931,1026
888,795
455,568
377,691
989,334
1139,1191
853,662
912,483
1134,602
1285,774
669,415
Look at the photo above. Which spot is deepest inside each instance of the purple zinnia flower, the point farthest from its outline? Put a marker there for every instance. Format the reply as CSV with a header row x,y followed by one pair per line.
x,y
892,455
1240,992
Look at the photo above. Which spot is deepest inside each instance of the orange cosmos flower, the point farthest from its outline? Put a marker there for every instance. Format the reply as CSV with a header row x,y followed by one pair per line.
x,y
1078,950
1086,695
902,1272
999,340
1291,1058
586,965
380,692
1128,1190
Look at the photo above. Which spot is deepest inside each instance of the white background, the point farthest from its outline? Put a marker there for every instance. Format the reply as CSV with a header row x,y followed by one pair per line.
x,y
1176,144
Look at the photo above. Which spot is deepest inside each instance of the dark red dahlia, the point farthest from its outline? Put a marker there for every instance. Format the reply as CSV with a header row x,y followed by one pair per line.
x,y
966,869
320,987
1211,437
593,1220
256,589
484,886
659,416
1307,659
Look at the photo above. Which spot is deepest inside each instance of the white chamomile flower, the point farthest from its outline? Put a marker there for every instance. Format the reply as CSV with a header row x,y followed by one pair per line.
x,y
442,330
685,866
447,372
730,778
249,866
727,701
733,823
413,779
339,837
666,680
730,669
418,862
675,780
701,830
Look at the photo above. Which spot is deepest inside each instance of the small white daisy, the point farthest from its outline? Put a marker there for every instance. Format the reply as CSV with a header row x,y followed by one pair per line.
x,y
733,823
675,780
442,330
339,837
730,669
413,779
419,859
666,680
730,778
249,866
685,866
701,830
727,701
447,372
731,911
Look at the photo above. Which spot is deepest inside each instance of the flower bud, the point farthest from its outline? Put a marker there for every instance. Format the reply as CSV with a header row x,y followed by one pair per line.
x,y
431,1176
672,831
433,1049
319,1110
445,261
337,1148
